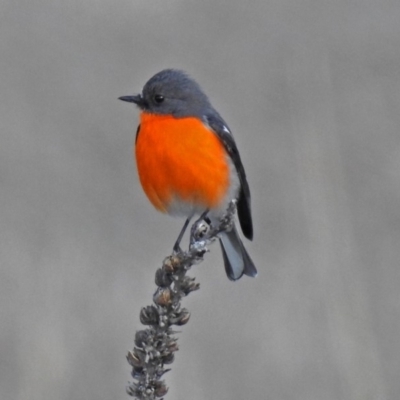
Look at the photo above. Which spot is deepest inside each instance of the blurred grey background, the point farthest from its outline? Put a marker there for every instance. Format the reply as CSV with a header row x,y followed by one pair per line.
x,y
311,90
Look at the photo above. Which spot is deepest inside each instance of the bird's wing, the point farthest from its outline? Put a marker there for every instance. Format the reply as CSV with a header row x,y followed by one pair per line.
x,y
218,125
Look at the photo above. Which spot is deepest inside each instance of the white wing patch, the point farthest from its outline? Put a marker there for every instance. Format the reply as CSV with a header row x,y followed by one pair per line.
x,y
225,129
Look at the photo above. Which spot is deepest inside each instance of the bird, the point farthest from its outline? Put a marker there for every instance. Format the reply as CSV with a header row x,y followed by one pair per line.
x,y
188,162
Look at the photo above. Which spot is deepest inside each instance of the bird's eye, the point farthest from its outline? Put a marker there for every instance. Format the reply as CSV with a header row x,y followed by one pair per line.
x,y
158,98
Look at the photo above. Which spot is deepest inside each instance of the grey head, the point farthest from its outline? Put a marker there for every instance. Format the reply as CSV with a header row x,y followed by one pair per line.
x,y
172,92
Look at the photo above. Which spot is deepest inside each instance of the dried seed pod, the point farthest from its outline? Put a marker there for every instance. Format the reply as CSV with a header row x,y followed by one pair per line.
x,y
140,354
149,315
163,297
133,359
173,347
168,358
172,263
188,285
137,372
180,318
135,390
160,389
142,338
163,278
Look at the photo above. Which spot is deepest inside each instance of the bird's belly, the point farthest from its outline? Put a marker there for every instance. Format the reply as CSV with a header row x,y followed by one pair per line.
x,y
182,165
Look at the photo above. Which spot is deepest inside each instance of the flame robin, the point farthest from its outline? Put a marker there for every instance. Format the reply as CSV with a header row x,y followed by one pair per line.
x,y
188,162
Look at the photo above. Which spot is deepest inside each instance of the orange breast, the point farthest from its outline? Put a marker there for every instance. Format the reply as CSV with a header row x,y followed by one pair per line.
x,y
181,160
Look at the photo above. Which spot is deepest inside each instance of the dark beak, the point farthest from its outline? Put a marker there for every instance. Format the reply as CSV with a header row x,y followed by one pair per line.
x,y
138,99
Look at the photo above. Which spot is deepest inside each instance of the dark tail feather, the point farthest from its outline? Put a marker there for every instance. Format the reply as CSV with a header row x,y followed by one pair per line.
x,y
236,259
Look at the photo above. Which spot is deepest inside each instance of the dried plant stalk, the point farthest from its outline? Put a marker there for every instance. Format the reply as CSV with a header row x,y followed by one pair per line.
x,y
155,346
